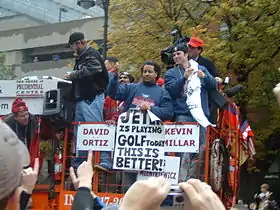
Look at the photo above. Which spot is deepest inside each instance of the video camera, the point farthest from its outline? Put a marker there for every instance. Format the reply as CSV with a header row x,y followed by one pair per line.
x,y
166,54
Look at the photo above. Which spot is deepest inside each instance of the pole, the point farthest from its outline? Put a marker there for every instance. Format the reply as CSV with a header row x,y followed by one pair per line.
x,y
105,36
60,14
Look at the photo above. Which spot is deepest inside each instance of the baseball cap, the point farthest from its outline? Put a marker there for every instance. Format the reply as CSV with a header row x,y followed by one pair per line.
x,y
180,47
112,59
76,36
196,42
14,156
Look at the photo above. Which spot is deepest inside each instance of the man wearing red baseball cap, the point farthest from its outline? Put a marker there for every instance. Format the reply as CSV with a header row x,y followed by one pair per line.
x,y
195,46
21,121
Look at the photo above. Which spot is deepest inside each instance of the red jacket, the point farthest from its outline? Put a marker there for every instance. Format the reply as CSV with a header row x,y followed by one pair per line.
x,y
112,109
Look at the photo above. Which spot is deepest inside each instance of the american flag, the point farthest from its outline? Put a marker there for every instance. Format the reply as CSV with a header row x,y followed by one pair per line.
x,y
248,139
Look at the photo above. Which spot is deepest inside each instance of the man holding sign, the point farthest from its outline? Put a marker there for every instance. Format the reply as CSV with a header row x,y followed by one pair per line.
x,y
146,95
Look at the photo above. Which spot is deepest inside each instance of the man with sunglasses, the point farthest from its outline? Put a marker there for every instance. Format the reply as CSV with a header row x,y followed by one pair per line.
x,y
89,80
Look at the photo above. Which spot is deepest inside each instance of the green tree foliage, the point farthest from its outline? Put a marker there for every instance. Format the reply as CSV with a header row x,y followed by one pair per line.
x,y
141,29
247,47
6,72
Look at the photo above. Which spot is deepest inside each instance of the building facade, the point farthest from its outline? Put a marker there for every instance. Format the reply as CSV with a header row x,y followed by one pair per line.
x,y
34,39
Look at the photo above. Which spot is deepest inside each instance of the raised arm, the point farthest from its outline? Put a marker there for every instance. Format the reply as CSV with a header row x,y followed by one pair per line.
x,y
117,91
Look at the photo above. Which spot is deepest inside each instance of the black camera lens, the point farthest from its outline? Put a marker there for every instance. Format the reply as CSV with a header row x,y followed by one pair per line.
x,y
179,199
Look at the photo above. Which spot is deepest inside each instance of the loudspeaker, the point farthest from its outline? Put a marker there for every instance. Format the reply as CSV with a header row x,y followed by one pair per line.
x,y
57,108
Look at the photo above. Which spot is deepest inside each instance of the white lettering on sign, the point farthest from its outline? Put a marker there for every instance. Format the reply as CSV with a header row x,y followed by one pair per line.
x,y
96,137
107,201
68,200
139,142
181,138
171,171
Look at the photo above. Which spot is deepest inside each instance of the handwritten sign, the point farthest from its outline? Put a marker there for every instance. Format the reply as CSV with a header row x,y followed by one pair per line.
x,y
139,143
171,171
181,138
96,137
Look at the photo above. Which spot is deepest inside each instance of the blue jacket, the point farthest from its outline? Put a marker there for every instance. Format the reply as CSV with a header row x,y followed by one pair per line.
x,y
135,94
174,84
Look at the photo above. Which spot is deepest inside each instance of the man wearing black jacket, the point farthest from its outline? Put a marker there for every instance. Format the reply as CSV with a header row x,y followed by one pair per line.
x,y
89,81
195,49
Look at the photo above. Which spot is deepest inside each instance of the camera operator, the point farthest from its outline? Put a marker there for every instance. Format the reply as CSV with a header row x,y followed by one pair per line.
x,y
175,84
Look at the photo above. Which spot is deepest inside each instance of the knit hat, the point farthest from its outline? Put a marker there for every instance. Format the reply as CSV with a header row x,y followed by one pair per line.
x,y
14,156
19,105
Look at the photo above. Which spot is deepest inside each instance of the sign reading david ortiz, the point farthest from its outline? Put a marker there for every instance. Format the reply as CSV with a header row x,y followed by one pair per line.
x,y
139,143
96,137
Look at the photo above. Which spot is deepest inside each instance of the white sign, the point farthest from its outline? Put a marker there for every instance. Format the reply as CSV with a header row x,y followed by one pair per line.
x,y
139,143
171,171
31,91
181,138
8,88
96,137
35,105
34,88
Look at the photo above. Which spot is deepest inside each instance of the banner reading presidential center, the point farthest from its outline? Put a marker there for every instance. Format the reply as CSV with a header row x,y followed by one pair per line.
x,y
140,142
